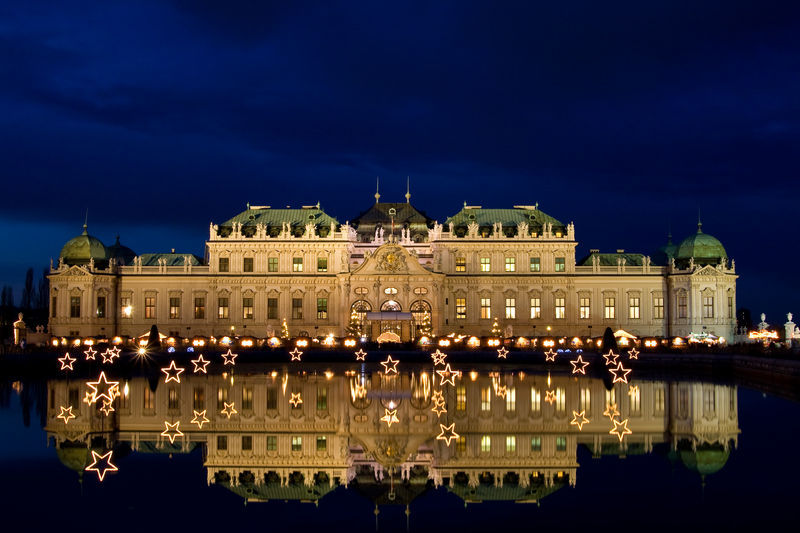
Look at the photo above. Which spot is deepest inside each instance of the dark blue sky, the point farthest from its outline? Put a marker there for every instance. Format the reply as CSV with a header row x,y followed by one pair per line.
x,y
623,117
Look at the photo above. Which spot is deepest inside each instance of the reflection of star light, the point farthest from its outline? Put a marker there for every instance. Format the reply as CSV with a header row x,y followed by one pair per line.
x,y
172,373
438,357
390,417
199,418
66,362
447,375
101,464
633,390
439,409
296,399
633,353
172,431
200,365
108,388
579,366
620,429
610,357
550,396
360,355
390,365
611,411
502,391
448,433
620,373
437,397
66,414
109,355
229,410
107,408
296,353
90,353
579,419
502,353
230,357
550,355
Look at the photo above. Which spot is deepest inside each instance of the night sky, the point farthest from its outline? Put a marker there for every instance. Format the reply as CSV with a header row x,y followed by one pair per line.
x,y
624,117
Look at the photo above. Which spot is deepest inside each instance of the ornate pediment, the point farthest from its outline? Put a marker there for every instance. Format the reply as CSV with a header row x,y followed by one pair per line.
x,y
391,259
707,270
76,270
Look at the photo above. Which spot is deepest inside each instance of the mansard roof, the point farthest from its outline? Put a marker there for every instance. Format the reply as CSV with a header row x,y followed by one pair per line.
x,y
405,215
509,218
275,218
610,259
173,259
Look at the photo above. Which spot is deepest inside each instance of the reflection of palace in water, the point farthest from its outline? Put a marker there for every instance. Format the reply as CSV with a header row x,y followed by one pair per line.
x,y
515,440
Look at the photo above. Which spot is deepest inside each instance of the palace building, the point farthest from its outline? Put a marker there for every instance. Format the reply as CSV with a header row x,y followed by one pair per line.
x,y
392,268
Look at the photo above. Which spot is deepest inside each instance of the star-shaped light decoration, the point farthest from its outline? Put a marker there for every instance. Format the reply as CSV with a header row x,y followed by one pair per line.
x,y
66,414
620,373
200,365
108,407
88,398
447,375
172,431
361,355
199,418
502,353
390,365
439,409
110,389
633,353
438,357
501,391
90,353
296,354
390,417
579,419
620,428
109,355
550,396
437,396
448,433
101,464
610,357
229,410
296,399
67,362
579,365
633,390
550,355
172,372
230,357
611,411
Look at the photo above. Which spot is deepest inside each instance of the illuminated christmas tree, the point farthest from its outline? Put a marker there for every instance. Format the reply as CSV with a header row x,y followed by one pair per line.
x,y
425,327
496,331
284,330
354,327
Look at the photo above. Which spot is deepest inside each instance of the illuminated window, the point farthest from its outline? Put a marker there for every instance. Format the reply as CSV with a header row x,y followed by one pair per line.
x,y
535,264
173,399
709,401
174,307
536,444
511,444
486,308
561,264
297,443
586,399
247,398
486,444
658,400
536,308
391,291
150,307
585,308
461,264
222,308
272,443
247,443
322,308
101,307
361,290
536,400
222,397
511,264
247,264
247,308
511,399
199,398
272,308
486,264
297,264
148,399
561,444
708,307
730,306
461,445
682,306
297,308
322,398
200,308
610,306
224,264
658,307
461,398
633,307
322,443
635,401
126,309
322,264
461,308
222,442
561,399
272,264
420,291
75,307
511,308
611,397
560,308
486,399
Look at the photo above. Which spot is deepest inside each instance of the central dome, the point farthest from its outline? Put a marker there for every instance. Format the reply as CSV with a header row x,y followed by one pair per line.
x,y
704,248
83,248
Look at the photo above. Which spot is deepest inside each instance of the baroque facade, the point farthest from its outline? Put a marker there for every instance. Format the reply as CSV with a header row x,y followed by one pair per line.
x,y
517,266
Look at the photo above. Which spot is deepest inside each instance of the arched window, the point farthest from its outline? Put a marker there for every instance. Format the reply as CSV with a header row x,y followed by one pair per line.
x,y
391,305
361,307
418,310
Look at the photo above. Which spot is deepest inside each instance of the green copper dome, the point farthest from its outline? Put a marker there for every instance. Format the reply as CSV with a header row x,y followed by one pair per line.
x,y
121,253
706,459
73,455
79,250
663,255
704,248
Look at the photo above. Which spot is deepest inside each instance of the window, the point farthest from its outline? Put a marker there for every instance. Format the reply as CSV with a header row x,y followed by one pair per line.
x,y
126,310
635,401
297,264
199,398
101,307
247,443
272,398
708,307
682,305
322,264
511,444
561,444
272,443
272,308
461,445
297,443
511,264
222,397
222,310
561,399
391,291
54,307
536,264
633,307
658,400
222,442
609,306
586,399
560,309
536,400
461,397
461,308
297,308
536,444
150,307
486,308
174,307
247,398
461,264
247,308
683,402
420,291
730,306
272,264
361,290
200,307
75,307
561,264
322,308
611,397
247,264
511,399
322,443
486,444
322,398
511,308
536,308
585,308
486,264
148,398
709,401
658,307
224,264
486,399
